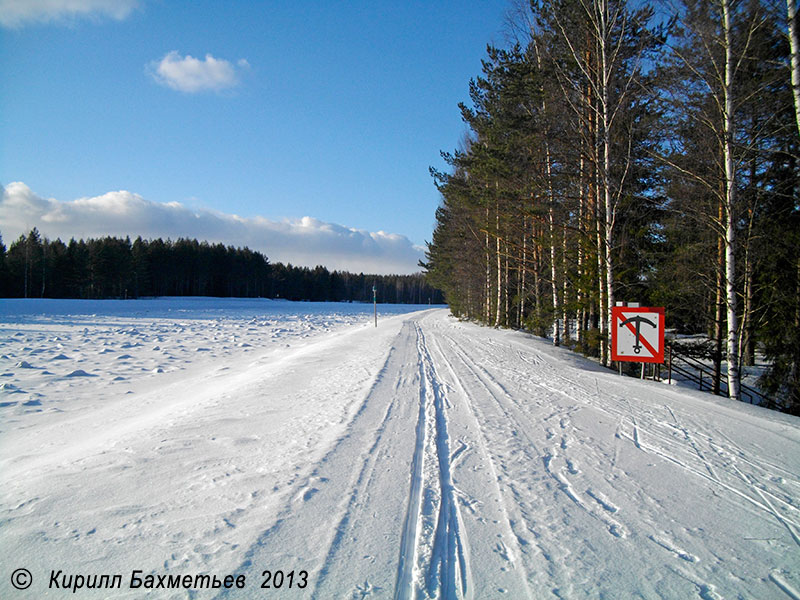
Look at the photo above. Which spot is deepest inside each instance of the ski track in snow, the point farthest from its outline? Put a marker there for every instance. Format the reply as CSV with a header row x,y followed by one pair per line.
x,y
445,556
423,459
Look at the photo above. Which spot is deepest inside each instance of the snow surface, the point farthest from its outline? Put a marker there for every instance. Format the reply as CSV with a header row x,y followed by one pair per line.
x,y
424,458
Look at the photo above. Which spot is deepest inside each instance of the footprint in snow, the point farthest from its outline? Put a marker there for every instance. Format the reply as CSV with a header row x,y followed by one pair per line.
x,y
617,530
365,590
309,493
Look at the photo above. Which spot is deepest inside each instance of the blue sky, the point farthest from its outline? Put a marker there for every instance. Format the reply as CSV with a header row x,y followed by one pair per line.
x,y
273,110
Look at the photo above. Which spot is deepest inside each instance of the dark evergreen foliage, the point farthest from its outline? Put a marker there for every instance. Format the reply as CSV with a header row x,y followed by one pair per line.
x,y
594,169
118,268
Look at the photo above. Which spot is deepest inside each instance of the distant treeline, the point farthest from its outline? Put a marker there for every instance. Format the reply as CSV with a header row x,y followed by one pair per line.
x,y
112,267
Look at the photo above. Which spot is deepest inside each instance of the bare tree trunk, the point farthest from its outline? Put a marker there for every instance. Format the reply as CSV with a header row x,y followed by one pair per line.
x,y
607,244
554,284
537,296
580,314
747,346
746,342
601,289
718,310
488,295
524,269
551,199
730,221
519,296
794,377
594,196
794,47
565,292
506,313
797,297
499,267
608,241
556,330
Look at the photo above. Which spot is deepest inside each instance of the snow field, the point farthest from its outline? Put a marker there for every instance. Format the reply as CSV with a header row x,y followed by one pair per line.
x,y
426,458
622,488
179,470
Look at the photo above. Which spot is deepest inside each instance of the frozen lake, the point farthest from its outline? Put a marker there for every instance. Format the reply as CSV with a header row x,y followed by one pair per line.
x,y
15,309
48,348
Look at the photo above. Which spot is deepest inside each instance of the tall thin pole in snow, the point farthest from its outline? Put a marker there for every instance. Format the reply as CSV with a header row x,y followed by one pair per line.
x,y
375,302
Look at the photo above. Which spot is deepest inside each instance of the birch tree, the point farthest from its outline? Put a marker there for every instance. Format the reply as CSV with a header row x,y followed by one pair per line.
x,y
607,45
713,51
794,61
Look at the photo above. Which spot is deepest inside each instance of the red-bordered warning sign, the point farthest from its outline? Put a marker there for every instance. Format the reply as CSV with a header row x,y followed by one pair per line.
x,y
637,334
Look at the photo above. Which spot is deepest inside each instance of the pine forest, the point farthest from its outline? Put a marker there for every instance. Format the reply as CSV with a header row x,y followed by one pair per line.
x,y
638,152
112,267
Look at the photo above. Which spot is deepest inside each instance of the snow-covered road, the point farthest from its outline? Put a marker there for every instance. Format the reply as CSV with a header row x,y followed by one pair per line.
x,y
426,458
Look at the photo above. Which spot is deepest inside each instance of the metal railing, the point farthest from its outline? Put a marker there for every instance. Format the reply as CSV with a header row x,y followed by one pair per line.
x,y
697,372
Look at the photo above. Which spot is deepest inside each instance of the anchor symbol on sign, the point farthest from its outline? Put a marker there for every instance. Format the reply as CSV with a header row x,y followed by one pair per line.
x,y
638,320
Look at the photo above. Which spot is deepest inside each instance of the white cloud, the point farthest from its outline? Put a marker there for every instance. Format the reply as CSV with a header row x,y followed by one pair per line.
x,y
190,74
306,241
15,13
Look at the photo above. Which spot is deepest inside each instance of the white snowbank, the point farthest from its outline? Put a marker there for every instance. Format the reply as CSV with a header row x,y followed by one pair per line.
x,y
425,458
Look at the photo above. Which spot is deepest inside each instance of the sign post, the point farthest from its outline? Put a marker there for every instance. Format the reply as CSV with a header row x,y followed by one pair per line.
x,y
375,302
637,334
